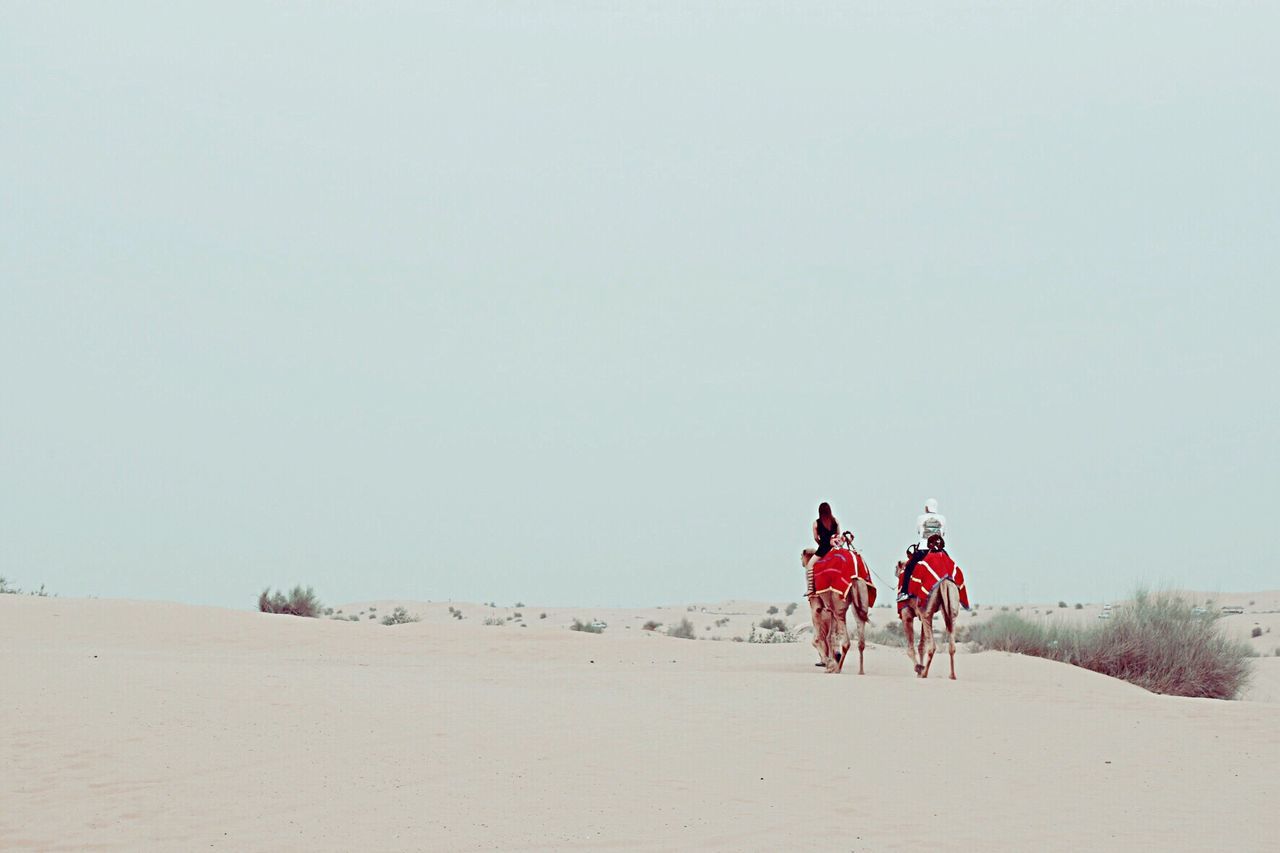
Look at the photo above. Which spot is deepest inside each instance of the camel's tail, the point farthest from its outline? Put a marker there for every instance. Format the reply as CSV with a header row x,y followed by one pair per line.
x,y
859,597
947,600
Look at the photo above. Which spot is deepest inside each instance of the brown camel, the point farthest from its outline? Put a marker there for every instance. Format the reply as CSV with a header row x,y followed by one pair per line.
x,y
945,596
829,610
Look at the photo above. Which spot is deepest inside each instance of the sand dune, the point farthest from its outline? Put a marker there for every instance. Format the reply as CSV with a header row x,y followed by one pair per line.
x,y
140,725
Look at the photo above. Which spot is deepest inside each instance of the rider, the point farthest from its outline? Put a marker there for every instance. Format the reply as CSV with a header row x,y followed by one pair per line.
x,y
824,529
927,525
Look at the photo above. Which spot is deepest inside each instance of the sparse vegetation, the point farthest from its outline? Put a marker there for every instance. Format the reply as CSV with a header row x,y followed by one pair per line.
x,y
5,589
791,608
651,625
400,616
772,610
299,602
768,635
494,620
519,615
1062,604
1079,606
588,627
720,623
542,616
1158,643
887,635
353,618
1256,632
773,624
518,604
684,630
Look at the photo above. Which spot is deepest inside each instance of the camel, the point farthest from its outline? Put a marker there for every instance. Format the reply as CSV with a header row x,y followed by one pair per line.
x,y
945,597
829,609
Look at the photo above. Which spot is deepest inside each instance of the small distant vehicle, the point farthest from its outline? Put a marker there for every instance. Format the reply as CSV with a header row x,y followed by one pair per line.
x,y
1106,614
600,624
1199,611
1229,609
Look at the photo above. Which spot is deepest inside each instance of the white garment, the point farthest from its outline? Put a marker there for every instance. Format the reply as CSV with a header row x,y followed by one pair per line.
x,y
929,524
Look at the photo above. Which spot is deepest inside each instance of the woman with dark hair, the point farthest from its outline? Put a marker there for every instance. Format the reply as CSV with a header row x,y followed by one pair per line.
x,y
825,529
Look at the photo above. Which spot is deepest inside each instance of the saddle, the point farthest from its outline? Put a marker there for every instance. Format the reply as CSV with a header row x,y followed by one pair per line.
x,y
837,571
935,567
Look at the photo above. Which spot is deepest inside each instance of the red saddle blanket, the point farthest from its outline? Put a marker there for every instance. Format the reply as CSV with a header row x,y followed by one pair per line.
x,y
933,568
837,571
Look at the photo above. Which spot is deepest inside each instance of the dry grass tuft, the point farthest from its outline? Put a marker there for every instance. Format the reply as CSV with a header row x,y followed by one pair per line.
x,y
1157,643
299,602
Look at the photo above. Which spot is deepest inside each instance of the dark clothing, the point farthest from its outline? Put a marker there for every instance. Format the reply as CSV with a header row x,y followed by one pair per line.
x,y
916,556
825,535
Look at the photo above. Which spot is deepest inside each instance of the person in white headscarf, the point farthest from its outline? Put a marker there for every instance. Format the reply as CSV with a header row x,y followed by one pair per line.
x,y
931,523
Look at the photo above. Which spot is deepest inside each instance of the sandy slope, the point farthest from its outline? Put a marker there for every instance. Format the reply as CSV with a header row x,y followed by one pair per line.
x,y
151,726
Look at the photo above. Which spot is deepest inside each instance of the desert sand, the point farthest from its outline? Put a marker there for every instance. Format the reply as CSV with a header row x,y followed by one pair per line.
x,y
153,726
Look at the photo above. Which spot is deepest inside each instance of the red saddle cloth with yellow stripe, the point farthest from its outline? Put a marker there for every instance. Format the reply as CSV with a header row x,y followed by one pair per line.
x,y
837,570
933,568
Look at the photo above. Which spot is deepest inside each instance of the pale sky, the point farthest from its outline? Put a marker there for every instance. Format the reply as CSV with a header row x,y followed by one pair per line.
x,y
592,303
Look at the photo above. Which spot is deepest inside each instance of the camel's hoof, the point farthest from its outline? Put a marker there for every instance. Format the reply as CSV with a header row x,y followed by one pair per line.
x,y
838,657
919,669
953,678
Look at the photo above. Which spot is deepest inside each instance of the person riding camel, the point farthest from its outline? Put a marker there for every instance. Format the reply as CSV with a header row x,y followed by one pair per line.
x,y
825,528
927,525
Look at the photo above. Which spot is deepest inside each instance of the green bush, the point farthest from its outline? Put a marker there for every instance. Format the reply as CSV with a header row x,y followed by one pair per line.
x,y
684,630
400,616
1157,643
773,624
791,608
299,602
772,610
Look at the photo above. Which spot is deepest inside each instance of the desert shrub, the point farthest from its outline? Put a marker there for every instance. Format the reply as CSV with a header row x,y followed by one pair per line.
x,y
1062,604
400,616
720,623
1256,632
579,625
768,635
353,618
740,640
518,604
328,611
372,616
457,614
519,615
772,610
5,589
494,620
773,624
684,630
299,602
1079,606
1158,643
651,625
791,608
887,635
542,616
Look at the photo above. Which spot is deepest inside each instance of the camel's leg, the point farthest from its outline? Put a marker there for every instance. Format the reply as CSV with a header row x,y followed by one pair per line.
x,y
926,642
859,593
862,645
840,629
953,604
816,610
908,629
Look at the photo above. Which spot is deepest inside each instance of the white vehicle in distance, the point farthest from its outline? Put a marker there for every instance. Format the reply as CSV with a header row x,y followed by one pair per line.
x,y
1232,609
1106,612
600,624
